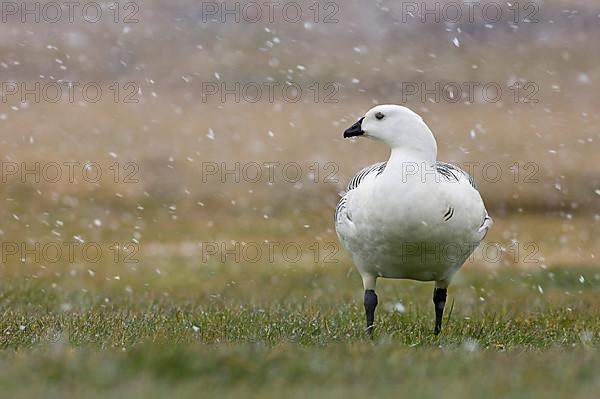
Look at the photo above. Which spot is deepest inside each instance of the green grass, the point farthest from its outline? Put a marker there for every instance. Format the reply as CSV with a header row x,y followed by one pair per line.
x,y
339,369
173,325
269,331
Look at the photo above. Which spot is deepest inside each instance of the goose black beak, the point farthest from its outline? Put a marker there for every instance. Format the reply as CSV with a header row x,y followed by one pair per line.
x,y
355,130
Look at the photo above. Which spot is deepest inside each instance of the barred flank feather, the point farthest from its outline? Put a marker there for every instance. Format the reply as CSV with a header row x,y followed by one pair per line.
x,y
451,172
360,176
355,182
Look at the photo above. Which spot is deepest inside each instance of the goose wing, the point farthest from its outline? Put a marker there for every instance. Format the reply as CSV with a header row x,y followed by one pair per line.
x,y
372,170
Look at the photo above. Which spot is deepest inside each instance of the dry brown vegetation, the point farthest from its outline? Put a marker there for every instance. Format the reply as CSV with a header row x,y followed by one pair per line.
x,y
170,53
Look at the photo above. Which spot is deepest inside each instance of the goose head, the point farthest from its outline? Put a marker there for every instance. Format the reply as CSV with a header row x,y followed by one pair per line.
x,y
398,127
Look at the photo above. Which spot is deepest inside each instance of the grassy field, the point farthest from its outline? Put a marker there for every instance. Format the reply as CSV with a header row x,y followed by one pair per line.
x,y
170,324
174,306
235,332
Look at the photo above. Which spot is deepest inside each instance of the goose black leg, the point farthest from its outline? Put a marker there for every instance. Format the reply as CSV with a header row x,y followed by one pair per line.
x,y
439,301
370,305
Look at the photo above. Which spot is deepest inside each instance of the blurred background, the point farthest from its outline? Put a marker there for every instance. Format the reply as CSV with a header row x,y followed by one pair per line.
x,y
222,121
169,172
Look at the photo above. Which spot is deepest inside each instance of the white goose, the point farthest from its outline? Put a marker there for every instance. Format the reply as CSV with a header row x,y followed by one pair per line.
x,y
410,217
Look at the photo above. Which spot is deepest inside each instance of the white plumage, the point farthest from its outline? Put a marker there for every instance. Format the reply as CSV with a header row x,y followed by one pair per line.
x,y
412,216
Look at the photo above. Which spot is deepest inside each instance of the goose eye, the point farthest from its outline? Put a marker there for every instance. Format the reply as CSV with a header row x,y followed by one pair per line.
x,y
379,115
